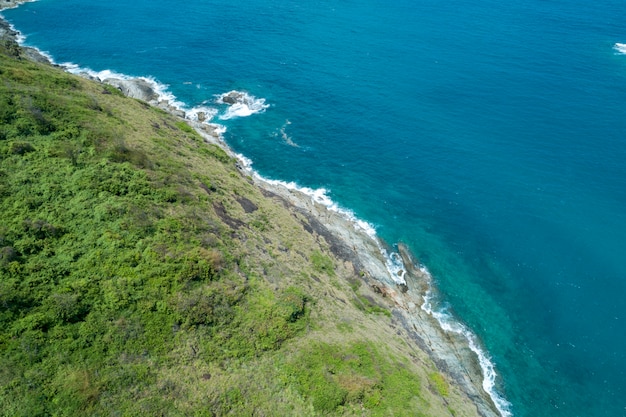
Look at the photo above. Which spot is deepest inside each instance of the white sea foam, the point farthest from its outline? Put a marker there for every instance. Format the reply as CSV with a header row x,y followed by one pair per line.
x,y
318,195
396,269
393,261
18,4
282,132
20,38
219,129
620,48
395,266
164,95
204,115
240,104
159,88
162,92
201,113
449,324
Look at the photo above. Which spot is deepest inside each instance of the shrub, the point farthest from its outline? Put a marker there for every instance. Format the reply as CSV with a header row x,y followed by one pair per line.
x,y
201,265
121,152
66,307
10,47
216,152
41,229
20,148
7,254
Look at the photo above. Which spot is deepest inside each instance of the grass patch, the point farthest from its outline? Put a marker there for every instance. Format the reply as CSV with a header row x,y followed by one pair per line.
x,y
184,126
367,305
322,263
137,277
439,383
335,379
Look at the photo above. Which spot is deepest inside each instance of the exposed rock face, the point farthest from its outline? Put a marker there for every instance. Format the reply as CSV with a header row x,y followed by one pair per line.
x,y
233,97
5,30
135,88
33,54
351,244
143,90
138,88
211,130
9,4
9,38
449,350
168,107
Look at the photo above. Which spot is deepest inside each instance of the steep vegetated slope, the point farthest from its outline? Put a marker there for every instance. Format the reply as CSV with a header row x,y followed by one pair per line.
x,y
142,274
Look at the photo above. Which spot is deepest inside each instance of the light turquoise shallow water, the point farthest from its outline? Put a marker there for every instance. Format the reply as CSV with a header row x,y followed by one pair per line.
x,y
489,136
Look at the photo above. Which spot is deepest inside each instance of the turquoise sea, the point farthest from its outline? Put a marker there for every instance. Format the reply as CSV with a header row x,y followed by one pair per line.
x,y
490,136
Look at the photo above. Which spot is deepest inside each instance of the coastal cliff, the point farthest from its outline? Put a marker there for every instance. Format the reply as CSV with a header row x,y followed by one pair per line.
x,y
144,270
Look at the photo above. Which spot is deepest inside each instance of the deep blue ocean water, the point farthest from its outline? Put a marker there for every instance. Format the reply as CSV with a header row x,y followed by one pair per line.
x,y
490,136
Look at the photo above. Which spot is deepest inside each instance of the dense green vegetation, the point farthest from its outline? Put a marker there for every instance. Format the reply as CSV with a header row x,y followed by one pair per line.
x,y
142,274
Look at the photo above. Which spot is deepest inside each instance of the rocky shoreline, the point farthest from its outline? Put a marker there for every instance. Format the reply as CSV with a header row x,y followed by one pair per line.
x,y
349,242
449,350
9,4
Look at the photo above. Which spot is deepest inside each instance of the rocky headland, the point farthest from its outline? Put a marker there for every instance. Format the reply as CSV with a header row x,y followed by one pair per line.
x,y
350,243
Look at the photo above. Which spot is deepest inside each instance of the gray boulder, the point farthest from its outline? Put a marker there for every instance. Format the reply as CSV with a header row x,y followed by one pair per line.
x,y
233,97
135,88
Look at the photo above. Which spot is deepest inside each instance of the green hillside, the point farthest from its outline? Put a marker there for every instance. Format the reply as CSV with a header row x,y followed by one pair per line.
x,y
142,274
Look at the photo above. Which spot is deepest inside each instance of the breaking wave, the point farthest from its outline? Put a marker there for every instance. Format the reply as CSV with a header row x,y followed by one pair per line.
x,y
396,269
451,325
240,104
